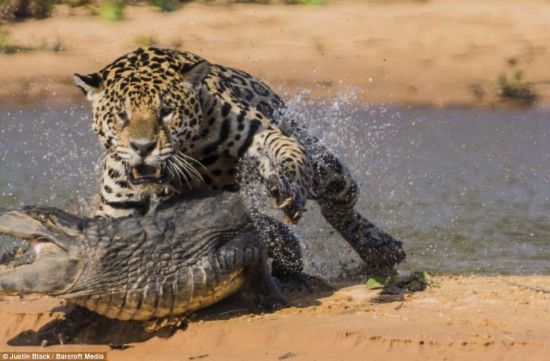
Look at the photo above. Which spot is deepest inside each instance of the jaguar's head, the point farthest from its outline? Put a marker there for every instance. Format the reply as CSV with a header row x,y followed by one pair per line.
x,y
145,105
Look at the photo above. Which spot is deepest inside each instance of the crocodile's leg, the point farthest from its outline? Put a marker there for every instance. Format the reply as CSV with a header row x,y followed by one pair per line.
x,y
266,291
287,262
64,331
250,251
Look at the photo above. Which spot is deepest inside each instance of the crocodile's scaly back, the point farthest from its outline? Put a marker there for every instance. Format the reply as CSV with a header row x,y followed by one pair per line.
x,y
151,279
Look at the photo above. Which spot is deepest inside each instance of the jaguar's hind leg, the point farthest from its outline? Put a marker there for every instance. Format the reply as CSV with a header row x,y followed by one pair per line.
x,y
337,194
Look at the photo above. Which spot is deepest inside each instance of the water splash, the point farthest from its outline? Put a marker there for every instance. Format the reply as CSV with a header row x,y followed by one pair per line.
x,y
47,156
468,191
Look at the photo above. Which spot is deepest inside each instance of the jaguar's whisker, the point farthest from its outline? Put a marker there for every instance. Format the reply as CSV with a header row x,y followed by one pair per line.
x,y
198,175
189,169
193,160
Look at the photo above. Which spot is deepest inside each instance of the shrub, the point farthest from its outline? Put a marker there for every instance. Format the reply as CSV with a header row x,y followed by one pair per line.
x,y
253,1
516,89
23,9
112,10
166,5
76,3
43,8
305,2
145,41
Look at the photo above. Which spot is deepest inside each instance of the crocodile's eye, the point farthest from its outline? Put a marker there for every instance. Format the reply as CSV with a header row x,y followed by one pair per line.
x,y
41,216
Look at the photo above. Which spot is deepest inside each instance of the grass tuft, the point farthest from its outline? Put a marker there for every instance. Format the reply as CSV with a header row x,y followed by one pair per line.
x,y
145,41
43,8
166,6
263,2
305,2
516,89
112,10
9,48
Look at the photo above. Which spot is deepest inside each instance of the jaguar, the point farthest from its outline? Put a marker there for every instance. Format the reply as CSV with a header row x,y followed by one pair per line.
x,y
171,121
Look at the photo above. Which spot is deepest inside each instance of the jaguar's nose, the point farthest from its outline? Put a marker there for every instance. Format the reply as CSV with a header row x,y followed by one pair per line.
x,y
142,146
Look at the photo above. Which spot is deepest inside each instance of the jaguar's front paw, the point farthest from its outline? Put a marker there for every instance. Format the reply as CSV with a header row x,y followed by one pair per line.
x,y
287,197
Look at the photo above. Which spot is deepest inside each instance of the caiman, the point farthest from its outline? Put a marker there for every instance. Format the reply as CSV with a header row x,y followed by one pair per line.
x,y
188,255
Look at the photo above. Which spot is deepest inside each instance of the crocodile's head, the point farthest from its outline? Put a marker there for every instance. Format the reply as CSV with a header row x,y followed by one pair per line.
x,y
49,261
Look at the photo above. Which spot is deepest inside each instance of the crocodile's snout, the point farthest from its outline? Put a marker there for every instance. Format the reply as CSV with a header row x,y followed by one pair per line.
x,y
42,263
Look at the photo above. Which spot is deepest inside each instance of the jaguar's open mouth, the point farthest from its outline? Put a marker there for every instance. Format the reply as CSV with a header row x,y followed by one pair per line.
x,y
143,173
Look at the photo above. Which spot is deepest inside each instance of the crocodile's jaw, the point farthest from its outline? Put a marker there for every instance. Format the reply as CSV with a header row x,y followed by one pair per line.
x,y
51,267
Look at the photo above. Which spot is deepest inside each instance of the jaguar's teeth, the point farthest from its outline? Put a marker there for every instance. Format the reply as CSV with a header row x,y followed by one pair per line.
x,y
157,173
135,173
286,202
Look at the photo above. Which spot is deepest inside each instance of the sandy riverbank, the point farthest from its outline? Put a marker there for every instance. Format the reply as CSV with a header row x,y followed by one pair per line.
x,y
462,318
437,52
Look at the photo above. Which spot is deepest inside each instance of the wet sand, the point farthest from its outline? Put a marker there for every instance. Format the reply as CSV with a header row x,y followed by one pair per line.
x,y
436,52
460,318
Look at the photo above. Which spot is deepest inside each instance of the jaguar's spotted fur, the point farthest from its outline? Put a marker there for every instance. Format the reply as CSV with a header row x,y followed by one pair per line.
x,y
172,121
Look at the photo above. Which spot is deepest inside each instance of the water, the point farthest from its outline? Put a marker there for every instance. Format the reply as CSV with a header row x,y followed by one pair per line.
x,y
467,190
47,156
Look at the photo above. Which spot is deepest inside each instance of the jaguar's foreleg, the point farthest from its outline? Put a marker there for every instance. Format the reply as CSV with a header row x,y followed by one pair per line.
x,y
284,165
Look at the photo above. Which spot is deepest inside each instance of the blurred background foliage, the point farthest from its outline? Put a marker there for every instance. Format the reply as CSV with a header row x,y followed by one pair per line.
x,y
112,10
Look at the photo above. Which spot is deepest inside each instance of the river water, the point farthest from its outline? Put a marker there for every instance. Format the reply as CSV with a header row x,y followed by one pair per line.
x,y
468,191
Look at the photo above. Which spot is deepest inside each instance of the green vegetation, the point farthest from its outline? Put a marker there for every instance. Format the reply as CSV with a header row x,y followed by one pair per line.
x,y
17,10
401,282
6,47
112,10
375,283
516,89
306,2
76,3
43,8
253,1
319,45
166,5
145,41
289,2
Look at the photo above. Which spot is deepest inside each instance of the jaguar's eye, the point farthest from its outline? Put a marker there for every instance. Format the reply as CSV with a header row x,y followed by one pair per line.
x,y
166,113
122,117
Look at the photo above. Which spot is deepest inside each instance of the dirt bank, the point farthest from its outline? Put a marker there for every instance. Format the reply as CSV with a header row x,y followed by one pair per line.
x,y
461,318
437,52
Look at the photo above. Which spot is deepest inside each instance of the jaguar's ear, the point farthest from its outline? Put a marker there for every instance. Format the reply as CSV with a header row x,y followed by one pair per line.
x,y
90,84
196,73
